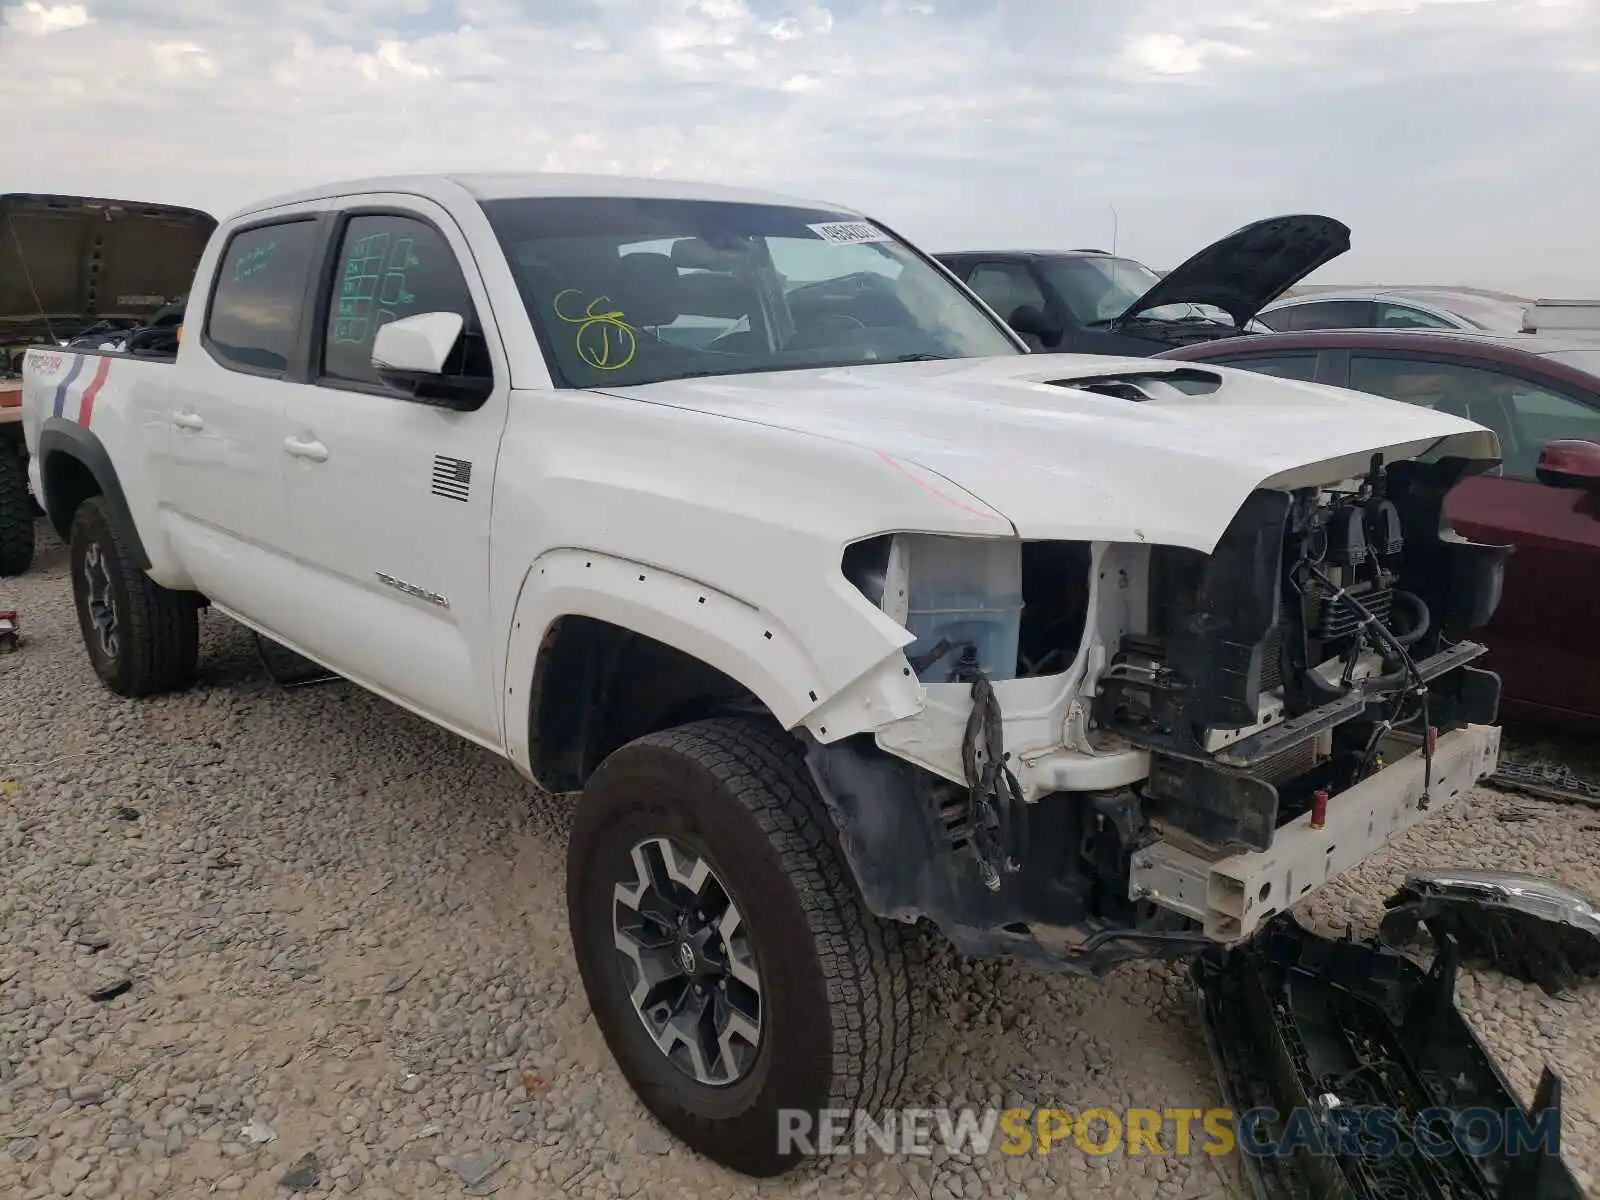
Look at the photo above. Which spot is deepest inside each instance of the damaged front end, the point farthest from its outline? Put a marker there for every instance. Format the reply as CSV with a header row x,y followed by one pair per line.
x,y
1353,1076
1171,746
1297,681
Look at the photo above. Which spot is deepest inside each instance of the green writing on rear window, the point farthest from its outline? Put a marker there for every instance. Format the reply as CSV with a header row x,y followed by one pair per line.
x,y
253,261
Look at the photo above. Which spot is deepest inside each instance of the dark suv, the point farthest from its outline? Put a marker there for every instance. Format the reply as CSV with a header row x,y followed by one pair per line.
x,y
1092,302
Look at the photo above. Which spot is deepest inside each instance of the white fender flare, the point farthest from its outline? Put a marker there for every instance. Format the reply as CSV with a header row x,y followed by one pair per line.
x,y
742,641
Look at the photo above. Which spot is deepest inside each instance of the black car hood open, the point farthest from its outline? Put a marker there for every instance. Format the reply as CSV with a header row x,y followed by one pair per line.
x,y
1250,268
68,262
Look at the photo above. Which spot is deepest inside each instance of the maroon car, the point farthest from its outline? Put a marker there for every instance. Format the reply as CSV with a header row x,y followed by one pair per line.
x,y
1541,396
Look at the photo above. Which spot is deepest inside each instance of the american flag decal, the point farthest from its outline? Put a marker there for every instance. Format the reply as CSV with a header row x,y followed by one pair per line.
x,y
452,477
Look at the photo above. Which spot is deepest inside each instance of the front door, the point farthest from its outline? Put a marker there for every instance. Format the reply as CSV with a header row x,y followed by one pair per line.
x,y
389,496
1544,641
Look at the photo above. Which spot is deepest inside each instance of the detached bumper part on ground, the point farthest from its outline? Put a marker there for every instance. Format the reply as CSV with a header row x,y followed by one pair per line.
x,y
1376,1052
1525,925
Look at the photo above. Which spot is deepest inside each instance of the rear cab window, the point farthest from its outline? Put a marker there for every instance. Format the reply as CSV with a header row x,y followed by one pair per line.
x,y
258,300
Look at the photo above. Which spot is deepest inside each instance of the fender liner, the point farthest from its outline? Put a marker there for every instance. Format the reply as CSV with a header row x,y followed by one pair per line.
x,y
61,437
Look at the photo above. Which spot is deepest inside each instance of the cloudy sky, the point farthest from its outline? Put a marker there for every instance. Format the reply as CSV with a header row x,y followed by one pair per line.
x,y
1457,138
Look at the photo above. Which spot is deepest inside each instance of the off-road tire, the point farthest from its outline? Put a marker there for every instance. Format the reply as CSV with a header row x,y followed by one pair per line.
x,y
841,1006
16,511
158,629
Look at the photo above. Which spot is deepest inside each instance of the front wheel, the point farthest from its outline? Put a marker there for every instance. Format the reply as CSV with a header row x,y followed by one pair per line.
x,y
736,976
142,638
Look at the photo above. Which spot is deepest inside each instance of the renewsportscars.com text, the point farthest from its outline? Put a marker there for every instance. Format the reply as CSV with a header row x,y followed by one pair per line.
x,y
1353,1130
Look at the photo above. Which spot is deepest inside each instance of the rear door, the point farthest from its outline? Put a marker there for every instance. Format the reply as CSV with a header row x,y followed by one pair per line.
x,y
389,496
1544,640
218,425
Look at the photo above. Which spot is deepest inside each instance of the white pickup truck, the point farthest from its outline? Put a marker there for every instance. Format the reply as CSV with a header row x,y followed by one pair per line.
x,y
846,613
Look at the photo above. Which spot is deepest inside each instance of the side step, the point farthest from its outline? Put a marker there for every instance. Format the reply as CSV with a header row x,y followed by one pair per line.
x,y
288,669
1353,1076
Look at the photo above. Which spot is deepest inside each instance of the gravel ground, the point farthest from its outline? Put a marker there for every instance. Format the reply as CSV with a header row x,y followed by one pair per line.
x,y
339,932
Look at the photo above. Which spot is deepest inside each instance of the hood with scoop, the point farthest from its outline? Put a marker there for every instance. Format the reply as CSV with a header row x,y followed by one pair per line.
x,y
1247,270
71,263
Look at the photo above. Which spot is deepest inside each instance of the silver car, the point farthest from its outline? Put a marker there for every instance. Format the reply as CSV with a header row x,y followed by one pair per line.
x,y
1409,308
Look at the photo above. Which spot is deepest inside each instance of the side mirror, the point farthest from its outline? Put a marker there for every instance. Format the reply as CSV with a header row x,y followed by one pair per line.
x,y
1570,464
1029,319
413,355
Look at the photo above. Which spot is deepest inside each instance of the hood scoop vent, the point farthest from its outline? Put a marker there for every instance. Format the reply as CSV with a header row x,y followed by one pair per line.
x,y
1133,384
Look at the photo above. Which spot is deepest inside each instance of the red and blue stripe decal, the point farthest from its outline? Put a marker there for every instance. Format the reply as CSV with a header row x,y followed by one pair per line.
x,y
93,390
96,382
66,384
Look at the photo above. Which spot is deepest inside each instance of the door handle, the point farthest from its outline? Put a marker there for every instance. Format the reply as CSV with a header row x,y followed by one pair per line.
x,y
313,450
188,420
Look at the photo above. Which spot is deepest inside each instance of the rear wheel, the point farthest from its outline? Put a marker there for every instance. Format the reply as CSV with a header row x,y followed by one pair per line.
x,y
16,509
142,638
728,959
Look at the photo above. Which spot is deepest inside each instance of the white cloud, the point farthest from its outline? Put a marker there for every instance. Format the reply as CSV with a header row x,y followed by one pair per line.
x,y
1340,9
1174,54
175,59
956,123
41,19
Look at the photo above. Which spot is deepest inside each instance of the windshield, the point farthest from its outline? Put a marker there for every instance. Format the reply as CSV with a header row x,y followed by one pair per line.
x,y
633,291
1097,289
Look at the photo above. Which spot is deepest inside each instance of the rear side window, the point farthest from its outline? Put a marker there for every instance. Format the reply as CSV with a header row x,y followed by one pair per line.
x,y
1283,366
260,295
388,267
1329,314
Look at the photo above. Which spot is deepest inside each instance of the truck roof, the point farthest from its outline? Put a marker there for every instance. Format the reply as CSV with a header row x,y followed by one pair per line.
x,y
530,184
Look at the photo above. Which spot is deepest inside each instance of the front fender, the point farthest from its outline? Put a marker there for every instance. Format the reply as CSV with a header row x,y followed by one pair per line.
x,y
739,639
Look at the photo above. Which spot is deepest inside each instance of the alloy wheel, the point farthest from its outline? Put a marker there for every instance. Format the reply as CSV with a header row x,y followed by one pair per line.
x,y
687,959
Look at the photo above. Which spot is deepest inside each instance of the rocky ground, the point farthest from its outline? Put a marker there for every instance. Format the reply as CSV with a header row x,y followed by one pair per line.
x,y
253,938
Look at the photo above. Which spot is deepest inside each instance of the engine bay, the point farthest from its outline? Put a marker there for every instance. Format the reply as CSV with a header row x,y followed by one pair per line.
x,y
1328,622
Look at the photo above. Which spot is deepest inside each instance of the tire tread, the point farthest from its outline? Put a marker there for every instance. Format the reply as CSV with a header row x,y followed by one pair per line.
x,y
869,963
16,512
160,634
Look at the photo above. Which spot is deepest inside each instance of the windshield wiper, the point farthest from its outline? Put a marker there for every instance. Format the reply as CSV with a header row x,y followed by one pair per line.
x,y
922,358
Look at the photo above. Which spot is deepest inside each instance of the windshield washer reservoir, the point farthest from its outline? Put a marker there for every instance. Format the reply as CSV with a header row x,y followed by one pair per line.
x,y
967,591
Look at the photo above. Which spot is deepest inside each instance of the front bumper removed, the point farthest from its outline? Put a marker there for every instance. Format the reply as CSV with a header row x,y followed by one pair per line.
x,y
1353,1076
1231,895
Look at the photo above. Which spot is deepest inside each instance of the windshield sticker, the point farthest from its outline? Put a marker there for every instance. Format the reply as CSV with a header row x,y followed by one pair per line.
x,y
848,233
604,340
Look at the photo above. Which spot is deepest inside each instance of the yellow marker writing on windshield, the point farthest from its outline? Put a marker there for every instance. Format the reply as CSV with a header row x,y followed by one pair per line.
x,y
604,340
